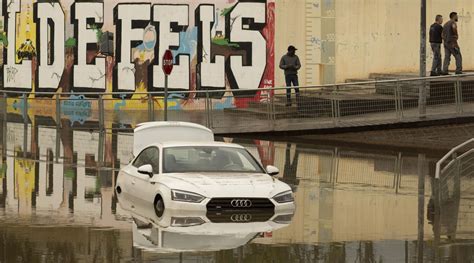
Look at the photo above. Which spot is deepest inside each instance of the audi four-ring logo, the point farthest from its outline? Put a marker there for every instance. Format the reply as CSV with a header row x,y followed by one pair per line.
x,y
241,203
241,217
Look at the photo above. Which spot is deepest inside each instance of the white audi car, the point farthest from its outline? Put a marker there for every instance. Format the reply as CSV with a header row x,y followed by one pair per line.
x,y
179,166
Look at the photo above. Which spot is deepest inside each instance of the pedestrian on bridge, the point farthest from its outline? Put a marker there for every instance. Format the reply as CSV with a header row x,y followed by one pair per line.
x,y
290,63
436,31
451,46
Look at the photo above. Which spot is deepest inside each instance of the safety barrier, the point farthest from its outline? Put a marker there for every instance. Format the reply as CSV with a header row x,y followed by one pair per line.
x,y
454,192
262,110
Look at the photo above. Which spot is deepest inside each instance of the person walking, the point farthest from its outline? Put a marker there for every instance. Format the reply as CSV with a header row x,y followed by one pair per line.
x,y
290,63
451,46
436,31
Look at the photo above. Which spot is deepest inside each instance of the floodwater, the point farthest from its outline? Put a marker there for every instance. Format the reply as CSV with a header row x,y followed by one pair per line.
x,y
57,204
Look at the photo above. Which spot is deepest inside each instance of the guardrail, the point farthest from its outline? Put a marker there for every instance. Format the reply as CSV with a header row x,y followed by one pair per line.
x,y
454,189
264,110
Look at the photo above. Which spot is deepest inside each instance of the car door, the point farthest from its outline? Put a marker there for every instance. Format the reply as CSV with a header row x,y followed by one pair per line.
x,y
141,185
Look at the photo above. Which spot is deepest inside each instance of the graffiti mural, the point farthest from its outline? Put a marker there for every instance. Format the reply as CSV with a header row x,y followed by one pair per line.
x,y
116,46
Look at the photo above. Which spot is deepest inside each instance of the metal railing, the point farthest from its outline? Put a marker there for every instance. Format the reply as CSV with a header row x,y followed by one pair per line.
x,y
263,110
454,190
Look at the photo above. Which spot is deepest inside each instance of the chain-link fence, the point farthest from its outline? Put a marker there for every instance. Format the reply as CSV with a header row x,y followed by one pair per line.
x,y
260,110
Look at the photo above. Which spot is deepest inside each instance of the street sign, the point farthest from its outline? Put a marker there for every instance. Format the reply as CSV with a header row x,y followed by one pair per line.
x,y
167,62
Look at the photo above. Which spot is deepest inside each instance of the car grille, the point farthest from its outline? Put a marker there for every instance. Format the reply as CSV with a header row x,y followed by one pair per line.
x,y
239,217
239,204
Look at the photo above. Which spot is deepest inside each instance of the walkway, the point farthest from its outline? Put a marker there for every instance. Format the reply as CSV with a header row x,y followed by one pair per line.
x,y
321,107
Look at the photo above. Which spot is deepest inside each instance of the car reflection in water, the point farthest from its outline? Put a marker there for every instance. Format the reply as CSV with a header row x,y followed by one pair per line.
x,y
193,231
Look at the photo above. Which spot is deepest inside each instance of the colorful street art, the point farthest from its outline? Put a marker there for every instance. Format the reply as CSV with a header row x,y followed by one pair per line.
x,y
116,46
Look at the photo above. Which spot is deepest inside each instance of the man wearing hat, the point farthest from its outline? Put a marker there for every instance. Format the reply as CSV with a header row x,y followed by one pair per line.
x,y
290,63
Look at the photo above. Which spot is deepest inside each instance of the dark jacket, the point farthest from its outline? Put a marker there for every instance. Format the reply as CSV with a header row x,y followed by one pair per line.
x,y
436,31
450,34
290,64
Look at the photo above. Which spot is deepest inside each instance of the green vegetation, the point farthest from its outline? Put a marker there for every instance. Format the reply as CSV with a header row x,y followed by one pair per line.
x,y
224,42
98,32
71,43
69,173
226,11
3,38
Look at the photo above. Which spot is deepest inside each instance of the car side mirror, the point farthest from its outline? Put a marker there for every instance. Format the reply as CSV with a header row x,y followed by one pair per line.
x,y
272,170
146,169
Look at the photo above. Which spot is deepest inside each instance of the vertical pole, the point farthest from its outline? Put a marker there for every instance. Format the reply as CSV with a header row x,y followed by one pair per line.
x,y
25,124
101,112
58,127
166,97
206,104
151,108
423,39
102,129
421,206
458,92
436,223
5,117
422,89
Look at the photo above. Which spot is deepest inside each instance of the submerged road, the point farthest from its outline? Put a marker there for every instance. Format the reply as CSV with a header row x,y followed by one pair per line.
x,y
352,204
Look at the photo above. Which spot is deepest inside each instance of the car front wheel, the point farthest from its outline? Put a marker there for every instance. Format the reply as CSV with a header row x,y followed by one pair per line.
x,y
159,206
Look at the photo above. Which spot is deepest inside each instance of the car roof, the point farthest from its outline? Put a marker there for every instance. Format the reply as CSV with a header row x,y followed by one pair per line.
x,y
181,144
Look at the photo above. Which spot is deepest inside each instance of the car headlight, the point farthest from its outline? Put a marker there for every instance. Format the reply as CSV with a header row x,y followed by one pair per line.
x,y
184,196
283,219
186,221
284,197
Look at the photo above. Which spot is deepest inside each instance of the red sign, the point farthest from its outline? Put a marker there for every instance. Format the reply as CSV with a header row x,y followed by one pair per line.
x,y
167,62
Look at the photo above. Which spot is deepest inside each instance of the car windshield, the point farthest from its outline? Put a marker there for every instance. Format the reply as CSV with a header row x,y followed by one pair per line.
x,y
193,159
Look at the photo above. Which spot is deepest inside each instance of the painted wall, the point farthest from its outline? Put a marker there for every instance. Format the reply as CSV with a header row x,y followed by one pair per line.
x,y
382,36
118,45
64,46
343,39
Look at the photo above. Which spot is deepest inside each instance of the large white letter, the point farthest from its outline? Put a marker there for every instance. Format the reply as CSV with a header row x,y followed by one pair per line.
x,y
49,17
172,19
87,76
15,75
210,70
243,25
130,21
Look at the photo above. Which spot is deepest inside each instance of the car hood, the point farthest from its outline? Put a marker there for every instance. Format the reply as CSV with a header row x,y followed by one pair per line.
x,y
226,185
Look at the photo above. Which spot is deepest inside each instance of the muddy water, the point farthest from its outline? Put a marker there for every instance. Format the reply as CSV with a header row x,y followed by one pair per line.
x,y
57,204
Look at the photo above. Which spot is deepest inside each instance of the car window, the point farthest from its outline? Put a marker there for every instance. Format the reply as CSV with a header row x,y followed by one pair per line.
x,y
208,159
149,156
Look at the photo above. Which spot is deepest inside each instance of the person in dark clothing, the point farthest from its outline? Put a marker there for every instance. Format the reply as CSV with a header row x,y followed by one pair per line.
x,y
451,46
290,63
436,31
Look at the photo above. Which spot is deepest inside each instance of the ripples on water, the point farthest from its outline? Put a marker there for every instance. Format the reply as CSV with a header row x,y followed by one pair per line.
x,y
58,205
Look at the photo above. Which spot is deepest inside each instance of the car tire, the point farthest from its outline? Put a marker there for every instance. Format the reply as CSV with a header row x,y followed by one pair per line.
x,y
159,206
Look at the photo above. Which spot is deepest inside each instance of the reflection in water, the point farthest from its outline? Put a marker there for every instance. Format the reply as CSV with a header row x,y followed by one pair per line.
x,y
57,202
179,231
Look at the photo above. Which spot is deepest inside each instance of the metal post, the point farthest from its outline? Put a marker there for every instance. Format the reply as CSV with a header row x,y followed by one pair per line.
x,y
423,39
421,205
436,223
166,97
101,147
25,124
422,89
206,105
399,102
458,93
101,113
58,111
5,117
151,108
211,117
25,108
58,127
